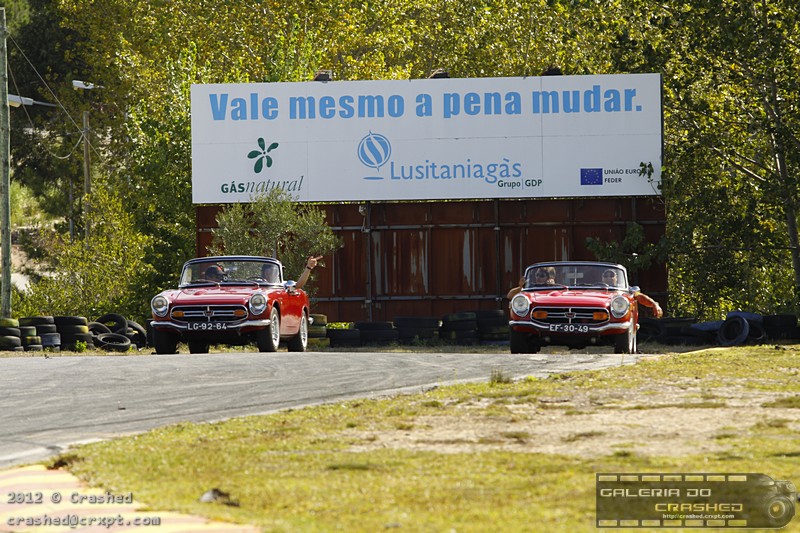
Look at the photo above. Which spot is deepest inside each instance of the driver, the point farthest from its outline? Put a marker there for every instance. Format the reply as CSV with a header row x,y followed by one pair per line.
x,y
214,273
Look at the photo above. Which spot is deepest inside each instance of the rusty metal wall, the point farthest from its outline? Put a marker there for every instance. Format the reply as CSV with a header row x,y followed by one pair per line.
x,y
435,258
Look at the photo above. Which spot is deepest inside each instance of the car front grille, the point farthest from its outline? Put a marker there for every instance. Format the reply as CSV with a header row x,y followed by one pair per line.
x,y
210,313
571,315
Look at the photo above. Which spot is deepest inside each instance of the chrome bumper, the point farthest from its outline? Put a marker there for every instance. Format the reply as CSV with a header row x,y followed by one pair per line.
x,y
231,327
545,328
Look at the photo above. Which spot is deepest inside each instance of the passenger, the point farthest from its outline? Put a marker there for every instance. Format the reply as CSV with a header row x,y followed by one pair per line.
x,y
610,279
269,273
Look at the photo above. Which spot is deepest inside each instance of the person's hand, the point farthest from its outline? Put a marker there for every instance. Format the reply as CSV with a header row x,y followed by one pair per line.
x,y
657,311
312,261
522,282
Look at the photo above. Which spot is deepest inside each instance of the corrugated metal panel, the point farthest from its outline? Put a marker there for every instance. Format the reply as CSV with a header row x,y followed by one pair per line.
x,y
434,258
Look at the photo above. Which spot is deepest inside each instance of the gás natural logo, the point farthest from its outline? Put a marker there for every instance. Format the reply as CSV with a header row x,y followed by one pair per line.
x,y
374,151
261,156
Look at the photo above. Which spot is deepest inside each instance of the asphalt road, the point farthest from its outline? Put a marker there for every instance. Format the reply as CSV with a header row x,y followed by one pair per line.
x,y
46,404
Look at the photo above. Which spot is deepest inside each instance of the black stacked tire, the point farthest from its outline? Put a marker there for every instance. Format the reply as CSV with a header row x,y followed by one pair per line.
x,y
492,325
135,333
344,338
319,327
460,328
780,327
416,329
31,341
35,328
377,333
10,340
73,332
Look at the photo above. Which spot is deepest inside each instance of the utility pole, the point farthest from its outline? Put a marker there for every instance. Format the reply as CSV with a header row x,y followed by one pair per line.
x,y
5,180
87,180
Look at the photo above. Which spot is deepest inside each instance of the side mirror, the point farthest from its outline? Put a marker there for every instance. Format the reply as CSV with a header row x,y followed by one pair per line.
x,y
289,286
633,289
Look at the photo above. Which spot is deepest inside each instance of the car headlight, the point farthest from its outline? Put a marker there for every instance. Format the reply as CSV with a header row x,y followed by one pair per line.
x,y
520,305
159,305
619,307
258,303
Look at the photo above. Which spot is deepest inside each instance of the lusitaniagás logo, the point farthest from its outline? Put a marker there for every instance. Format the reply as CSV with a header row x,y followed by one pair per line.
x,y
374,151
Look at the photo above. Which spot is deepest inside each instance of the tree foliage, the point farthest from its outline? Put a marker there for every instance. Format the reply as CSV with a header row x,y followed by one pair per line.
x,y
274,225
94,276
730,118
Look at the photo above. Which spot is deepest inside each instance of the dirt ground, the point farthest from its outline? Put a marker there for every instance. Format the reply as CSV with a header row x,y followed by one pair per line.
x,y
652,422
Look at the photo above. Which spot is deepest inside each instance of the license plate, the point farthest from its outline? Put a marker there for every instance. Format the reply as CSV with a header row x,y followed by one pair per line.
x,y
569,328
208,326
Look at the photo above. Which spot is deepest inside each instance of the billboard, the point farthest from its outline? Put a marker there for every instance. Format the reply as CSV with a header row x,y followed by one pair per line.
x,y
429,139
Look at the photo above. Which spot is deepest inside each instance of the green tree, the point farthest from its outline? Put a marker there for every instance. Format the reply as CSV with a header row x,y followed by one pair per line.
x,y
731,125
633,252
274,225
92,277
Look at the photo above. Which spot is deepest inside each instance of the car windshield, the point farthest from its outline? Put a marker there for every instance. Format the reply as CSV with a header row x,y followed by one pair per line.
x,y
575,275
231,271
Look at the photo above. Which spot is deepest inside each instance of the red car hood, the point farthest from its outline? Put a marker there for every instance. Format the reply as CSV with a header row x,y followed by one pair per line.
x,y
569,298
212,295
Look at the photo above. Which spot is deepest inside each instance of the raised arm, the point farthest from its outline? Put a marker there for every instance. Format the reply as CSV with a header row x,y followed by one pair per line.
x,y
311,263
646,301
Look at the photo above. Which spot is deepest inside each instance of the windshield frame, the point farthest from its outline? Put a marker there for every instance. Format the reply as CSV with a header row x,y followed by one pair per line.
x,y
576,275
237,270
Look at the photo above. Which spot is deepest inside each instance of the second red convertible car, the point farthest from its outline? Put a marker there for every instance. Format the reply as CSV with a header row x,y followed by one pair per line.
x,y
574,304
233,300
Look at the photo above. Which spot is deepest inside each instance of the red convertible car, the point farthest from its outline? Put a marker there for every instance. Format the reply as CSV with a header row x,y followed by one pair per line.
x,y
574,304
234,300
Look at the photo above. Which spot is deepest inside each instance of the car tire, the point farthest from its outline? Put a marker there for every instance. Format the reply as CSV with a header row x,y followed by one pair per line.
x,y
269,338
519,342
625,343
198,347
299,342
165,342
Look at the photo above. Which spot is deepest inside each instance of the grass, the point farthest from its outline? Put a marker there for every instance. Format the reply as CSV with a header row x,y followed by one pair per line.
x,y
318,469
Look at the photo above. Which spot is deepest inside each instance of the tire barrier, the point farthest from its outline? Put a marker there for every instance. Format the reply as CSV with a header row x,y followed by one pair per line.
x,y
738,328
377,333
109,330
38,333
113,342
72,333
489,326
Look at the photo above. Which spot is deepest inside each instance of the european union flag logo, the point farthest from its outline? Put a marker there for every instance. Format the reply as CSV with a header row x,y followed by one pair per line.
x,y
591,176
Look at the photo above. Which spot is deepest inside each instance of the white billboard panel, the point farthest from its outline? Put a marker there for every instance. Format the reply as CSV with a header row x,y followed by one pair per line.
x,y
432,139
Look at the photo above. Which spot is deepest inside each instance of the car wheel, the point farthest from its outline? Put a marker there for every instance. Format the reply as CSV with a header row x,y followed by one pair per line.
x,y
625,342
165,342
520,343
198,347
299,342
269,338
